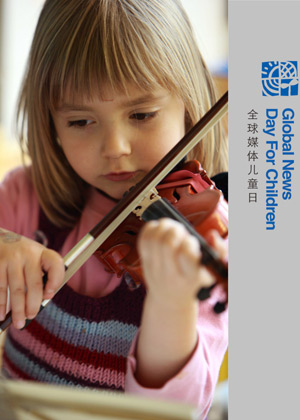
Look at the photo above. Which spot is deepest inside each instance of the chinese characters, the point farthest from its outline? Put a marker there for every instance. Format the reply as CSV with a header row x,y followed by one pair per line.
x,y
252,155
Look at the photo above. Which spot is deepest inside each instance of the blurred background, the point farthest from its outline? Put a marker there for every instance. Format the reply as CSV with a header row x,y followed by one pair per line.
x,y
17,23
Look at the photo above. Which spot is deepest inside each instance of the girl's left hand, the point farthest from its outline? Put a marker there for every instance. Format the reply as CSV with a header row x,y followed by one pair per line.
x,y
171,261
173,273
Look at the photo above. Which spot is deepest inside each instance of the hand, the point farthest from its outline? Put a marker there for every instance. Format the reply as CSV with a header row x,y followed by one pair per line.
x,y
23,263
171,260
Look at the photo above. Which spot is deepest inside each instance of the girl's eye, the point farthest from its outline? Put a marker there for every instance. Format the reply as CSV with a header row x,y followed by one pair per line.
x,y
79,123
142,116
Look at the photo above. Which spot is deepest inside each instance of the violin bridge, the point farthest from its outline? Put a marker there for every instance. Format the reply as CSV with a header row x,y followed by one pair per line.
x,y
150,198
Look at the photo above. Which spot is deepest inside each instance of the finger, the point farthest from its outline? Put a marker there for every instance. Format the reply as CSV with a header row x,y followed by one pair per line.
x,y
159,241
205,277
162,231
3,291
53,264
16,285
189,261
172,233
175,240
217,242
189,255
162,241
147,249
34,290
145,237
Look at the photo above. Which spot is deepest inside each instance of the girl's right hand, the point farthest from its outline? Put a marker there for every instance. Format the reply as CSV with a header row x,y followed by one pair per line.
x,y
23,263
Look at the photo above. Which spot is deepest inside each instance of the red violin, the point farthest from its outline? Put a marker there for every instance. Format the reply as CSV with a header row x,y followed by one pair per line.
x,y
195,197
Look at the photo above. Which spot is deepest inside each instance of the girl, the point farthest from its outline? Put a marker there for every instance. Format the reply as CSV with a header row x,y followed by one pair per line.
x,y
110,88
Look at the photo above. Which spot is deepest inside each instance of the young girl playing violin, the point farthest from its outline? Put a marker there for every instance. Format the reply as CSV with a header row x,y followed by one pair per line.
x,y
110,88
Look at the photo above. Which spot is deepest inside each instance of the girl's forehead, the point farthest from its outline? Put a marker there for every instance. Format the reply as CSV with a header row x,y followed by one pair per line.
x,y
107,93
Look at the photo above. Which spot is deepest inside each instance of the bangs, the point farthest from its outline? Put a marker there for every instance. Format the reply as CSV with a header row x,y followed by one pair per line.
x,y
84,63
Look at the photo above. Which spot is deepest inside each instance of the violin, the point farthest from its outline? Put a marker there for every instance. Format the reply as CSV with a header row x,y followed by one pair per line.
x,y
188,192
187,195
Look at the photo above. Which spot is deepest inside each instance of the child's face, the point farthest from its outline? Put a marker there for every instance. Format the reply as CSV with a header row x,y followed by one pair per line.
x,y
112,141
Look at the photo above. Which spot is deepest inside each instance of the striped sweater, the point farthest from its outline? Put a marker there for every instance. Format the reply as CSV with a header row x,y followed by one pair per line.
x,y
77,340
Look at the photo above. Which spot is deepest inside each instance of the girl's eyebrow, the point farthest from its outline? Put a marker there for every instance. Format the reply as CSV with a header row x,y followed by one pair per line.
x,y
65,107
144,99
141,100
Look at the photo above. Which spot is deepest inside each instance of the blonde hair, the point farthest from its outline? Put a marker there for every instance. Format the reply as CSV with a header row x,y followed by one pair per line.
x,y
81,43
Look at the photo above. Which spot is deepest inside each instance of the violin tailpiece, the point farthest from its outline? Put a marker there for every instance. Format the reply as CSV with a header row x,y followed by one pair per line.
x,y
149,199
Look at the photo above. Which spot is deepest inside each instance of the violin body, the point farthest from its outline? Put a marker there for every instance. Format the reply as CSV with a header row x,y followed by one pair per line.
x,y
193,194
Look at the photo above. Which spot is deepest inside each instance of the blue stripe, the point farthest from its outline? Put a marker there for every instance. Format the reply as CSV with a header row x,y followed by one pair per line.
x,y
103,336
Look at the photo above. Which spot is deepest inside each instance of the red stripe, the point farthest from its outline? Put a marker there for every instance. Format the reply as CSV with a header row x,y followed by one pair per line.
x,y
79,353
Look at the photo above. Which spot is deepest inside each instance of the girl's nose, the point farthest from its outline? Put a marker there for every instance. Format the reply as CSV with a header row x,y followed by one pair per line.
x,y
115,144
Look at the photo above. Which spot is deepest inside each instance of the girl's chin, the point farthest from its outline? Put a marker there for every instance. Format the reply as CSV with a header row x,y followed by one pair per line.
x,y
115,195
108,195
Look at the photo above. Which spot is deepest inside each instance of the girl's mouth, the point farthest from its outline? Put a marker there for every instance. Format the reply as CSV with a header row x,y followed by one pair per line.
x,y
119,176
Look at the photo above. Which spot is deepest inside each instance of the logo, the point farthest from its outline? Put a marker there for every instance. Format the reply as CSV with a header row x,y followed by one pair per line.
x,y
279,78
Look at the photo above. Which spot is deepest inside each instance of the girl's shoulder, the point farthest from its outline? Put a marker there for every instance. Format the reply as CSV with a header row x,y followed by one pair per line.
x,y
20,174
17,185
18,201
17,176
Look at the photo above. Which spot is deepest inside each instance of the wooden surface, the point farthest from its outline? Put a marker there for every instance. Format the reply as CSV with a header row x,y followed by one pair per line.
x,y
29,400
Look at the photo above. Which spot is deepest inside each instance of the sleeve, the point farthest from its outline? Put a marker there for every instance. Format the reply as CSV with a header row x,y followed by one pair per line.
x,y
18,203
195,382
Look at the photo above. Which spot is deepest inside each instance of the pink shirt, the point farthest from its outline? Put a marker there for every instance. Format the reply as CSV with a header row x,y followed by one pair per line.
x,y
195,383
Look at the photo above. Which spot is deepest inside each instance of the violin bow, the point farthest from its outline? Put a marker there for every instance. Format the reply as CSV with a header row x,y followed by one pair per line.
x,y
87,246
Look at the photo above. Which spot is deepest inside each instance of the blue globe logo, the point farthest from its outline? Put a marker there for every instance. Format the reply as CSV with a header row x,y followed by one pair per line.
x,y
279,78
